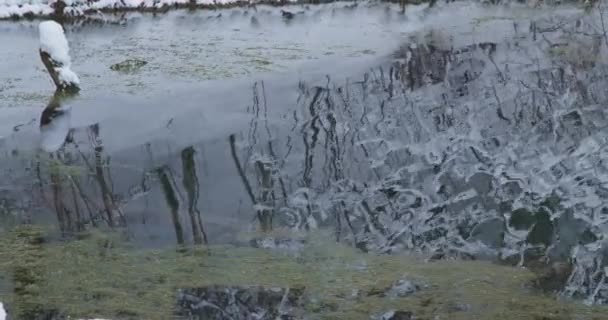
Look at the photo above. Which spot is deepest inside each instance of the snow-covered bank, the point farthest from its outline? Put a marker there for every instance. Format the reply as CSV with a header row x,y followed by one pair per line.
x,y
14,9
11,9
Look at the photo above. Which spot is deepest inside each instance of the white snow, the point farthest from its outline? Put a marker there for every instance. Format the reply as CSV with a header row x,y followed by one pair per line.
x,y
8,10
19,8
68,76
54,42
2,312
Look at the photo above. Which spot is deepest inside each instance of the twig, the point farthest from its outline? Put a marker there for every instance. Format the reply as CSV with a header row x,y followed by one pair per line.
x,y
239,168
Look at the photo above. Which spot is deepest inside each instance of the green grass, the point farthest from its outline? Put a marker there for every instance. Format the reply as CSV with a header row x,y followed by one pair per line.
x,y
101,275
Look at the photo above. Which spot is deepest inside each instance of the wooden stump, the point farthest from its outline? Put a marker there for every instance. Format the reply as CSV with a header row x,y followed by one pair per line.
x,y
51,67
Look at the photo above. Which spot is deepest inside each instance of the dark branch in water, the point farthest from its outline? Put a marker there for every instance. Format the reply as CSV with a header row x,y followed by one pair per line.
x,y
85,200
170,196
76,208
239,168
106,196
281,182
191,184
62,214
265,215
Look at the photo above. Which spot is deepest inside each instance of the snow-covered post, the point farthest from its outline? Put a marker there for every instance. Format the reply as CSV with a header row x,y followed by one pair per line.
x,y
55,54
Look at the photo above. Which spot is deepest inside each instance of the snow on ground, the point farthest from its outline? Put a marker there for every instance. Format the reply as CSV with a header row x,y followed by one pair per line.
x,y
8,10
53,42
20,8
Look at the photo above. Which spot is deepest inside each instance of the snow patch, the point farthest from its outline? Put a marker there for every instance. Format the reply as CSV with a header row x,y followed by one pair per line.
x,y
8,10
53,41
19,8
66,75
2,312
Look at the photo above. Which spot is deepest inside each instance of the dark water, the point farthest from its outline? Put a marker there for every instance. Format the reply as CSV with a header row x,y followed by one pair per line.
x,y
487,149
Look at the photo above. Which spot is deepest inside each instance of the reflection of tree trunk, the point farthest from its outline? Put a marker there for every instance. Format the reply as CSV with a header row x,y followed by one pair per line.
x,y
265,214
85,200
58,202
105,191
262,216
309,147
239,168
76,208
64,217
191,184
171,198
106,195
58,11
51,109
281,182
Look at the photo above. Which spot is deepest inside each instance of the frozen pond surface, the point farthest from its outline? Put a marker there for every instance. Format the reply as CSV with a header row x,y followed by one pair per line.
x,y
196,87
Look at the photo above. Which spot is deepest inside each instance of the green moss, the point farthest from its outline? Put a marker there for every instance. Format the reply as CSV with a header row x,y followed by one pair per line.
x,y
101,275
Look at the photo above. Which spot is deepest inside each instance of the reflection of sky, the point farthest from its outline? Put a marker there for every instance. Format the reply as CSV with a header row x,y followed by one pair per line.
x,y
53,134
